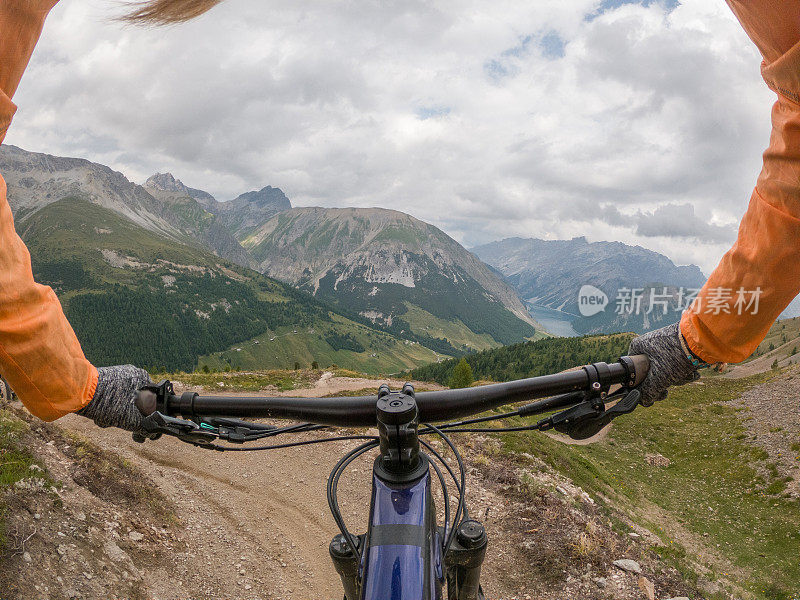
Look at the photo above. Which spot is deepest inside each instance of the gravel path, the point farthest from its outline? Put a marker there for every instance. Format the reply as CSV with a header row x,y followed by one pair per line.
x,y
772,417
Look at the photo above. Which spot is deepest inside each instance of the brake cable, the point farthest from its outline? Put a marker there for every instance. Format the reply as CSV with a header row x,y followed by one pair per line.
x,y
462,487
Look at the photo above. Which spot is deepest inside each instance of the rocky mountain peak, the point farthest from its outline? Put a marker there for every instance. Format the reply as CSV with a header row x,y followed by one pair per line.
x,y
246,212
268,196
166,182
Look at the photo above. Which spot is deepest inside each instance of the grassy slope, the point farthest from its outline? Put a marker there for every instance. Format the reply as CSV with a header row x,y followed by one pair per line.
x,y
710,498
455,332
280,349
784,339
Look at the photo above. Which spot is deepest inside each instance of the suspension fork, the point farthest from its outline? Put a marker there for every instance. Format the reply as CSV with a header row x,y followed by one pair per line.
x,y
464,560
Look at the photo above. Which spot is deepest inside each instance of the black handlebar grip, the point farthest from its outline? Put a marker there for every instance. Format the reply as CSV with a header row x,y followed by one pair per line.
x,y
146,402
641,365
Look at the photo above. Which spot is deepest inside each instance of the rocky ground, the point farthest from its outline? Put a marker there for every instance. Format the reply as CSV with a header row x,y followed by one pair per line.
x,y
167,521
770,413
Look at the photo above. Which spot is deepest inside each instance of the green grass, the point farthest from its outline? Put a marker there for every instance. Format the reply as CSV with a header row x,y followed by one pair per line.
x,y
712,488
404,235
15,460
459,335
282,348
283,380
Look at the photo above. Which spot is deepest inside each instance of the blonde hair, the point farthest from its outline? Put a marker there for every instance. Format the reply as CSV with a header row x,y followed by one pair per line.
x,y
167,12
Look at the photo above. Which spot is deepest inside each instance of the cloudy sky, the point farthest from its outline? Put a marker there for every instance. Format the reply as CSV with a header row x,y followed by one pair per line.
x,y
641,122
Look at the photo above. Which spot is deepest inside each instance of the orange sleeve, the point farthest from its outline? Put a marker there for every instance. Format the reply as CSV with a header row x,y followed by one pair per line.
x,y
40,356
760,275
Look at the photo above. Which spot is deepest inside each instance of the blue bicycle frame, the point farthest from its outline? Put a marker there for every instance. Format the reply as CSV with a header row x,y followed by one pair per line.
x,y
402,557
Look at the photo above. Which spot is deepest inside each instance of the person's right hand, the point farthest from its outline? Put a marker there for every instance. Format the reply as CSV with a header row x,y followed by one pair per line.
x,y
669,363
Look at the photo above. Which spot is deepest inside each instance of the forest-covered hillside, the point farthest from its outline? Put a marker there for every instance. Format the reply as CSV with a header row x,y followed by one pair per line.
x,y
531,359
133,296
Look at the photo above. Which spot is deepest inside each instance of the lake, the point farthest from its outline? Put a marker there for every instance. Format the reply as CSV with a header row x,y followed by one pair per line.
x,y
554,321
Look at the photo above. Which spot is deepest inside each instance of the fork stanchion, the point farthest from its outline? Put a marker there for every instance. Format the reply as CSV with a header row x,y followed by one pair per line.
x,y
346,564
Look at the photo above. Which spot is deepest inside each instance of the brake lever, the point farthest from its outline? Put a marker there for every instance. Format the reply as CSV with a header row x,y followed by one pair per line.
x,y
156,424
588,418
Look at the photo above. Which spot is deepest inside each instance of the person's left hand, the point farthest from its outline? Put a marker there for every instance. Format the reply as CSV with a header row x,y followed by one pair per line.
x,y
113,402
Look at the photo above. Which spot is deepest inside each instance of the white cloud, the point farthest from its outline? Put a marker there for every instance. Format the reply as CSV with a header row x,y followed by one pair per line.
x,y
489,119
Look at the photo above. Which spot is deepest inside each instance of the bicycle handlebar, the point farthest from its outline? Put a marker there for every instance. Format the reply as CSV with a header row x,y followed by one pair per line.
x,y
436,406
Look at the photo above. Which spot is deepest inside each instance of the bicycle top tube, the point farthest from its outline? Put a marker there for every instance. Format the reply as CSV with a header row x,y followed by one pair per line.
x,y
435,406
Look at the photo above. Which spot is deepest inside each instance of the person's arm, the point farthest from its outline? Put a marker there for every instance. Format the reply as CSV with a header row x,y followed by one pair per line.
x,y
760,275
763,267
40,356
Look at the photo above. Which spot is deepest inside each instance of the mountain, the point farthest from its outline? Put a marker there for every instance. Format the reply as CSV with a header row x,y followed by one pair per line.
x,y
195,220
134,296
225,221
393,269
134,269
378,268
550,273
37,180
246,212
240,215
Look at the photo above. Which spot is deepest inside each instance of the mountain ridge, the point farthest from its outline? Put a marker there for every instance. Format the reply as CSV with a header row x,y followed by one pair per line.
x,y
383,266
453,314
133,296
550,273
36,180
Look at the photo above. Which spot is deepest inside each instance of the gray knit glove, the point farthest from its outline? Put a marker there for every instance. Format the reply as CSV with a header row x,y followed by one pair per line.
x,y
669,364
112,404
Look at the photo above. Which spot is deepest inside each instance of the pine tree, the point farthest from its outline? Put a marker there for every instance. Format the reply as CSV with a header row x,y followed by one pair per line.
x,y
462,375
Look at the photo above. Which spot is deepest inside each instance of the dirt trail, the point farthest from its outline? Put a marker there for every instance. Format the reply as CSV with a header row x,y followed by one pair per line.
x,y
253,520
257,521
